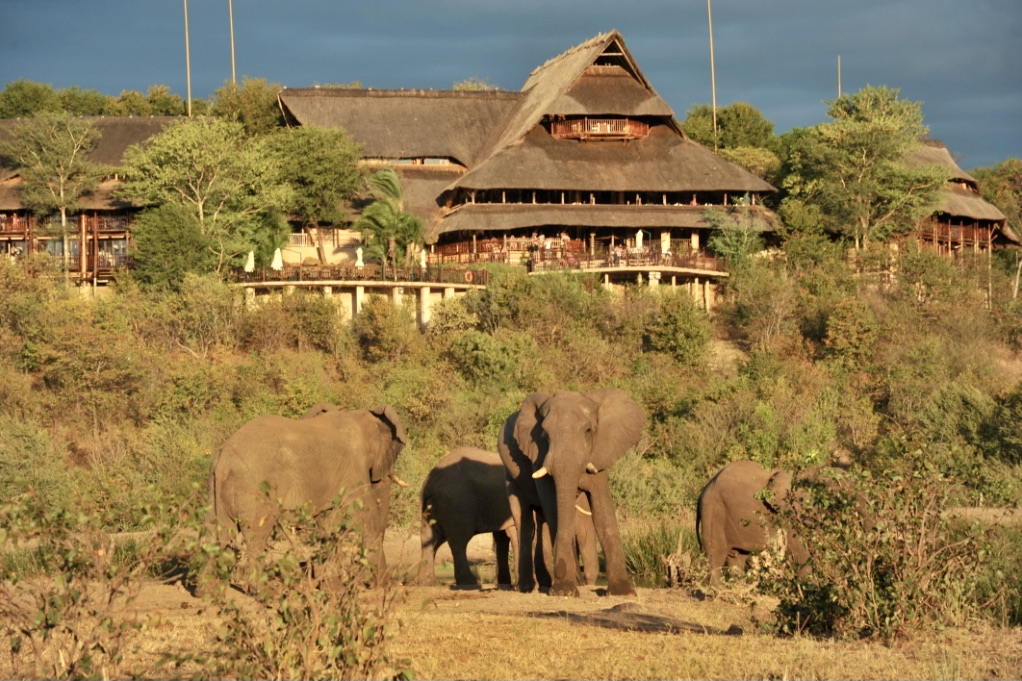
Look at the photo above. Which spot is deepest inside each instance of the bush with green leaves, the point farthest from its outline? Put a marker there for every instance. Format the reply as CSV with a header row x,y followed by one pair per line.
x,y
65,588
308,614
681,329
885,558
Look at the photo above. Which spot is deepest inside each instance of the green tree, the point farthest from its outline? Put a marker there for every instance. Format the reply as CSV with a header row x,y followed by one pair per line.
x,y
79,102
168,245
226,180
322,167
738,125
390,233
253,104
854,167
163,102
24,99
680,329
132,103
51,152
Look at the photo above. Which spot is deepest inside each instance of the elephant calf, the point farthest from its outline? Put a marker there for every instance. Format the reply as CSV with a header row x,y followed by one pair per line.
x,y
732,523
464,495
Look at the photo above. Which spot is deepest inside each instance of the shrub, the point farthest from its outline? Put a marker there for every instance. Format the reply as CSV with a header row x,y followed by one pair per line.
x,y
905,570
61,604
681,329
308,618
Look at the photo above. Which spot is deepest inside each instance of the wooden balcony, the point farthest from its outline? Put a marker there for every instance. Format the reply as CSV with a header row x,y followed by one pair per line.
x,y
599,128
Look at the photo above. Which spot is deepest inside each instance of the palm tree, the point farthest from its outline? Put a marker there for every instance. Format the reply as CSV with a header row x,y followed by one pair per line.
x,y
389,232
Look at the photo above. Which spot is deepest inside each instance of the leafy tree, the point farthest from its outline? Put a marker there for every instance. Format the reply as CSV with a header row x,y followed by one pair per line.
x,y
1002,186
854,167
225,180
390,233
24,99
169,244
253,104
322,167
132,103
736,236
51,153
681,329
738,125
162,102
79,102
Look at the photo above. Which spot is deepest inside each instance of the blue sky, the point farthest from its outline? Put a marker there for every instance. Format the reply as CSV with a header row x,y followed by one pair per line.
x,y
961,58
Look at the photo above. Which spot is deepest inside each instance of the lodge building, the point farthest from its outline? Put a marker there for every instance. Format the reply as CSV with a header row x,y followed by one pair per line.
x,y
585,166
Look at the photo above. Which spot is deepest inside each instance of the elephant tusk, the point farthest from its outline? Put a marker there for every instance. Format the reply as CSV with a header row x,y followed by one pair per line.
x,y
582,510
540,473
398,481
591,468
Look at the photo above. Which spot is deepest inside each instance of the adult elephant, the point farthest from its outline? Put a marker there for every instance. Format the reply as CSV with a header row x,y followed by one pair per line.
x,y
465,495
555,446
734,520
306,461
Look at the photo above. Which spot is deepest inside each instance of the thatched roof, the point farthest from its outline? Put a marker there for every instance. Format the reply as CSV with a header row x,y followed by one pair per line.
x,y
397,124
961,197
499,140
117,133
662,162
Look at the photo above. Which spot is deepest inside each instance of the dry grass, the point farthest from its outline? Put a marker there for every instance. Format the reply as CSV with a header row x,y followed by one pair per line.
x,y
442,634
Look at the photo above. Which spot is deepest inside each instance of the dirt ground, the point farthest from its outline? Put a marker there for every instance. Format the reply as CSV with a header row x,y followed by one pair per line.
x,y
445,632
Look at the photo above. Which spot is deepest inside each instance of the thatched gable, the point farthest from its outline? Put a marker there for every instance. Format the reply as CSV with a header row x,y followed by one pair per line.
x,y
961,197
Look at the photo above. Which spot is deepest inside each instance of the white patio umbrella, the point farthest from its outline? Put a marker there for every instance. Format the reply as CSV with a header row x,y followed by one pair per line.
x,y
250,263
278,261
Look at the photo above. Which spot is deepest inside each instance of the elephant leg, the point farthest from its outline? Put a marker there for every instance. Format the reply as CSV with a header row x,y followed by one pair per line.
x,y
501,544
377,511
525,526
585,538
602,504
462,571
544,554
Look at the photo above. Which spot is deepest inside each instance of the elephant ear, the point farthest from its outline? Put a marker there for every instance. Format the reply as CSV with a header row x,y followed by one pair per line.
x,y
386,454
525,426
779,486
619,425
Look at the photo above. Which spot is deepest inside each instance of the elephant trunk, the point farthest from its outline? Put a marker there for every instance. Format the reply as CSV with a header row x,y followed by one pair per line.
x,y
565,572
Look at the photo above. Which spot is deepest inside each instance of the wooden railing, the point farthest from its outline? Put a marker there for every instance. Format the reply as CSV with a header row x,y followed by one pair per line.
x,y
584,128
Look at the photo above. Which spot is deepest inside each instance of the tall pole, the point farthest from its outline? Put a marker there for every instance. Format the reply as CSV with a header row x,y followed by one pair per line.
x,y
188,63
230,14
713,73
839,76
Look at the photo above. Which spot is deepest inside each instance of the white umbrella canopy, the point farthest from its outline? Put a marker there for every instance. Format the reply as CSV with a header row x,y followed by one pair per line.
x,y
278,261
250,262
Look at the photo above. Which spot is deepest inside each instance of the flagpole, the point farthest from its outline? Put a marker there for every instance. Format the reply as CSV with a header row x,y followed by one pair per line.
x,y
713,74
188,62
230,13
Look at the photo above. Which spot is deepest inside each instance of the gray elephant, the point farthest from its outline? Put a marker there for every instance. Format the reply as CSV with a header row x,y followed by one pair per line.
x,y
306,461
732,521
465,495
555,446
